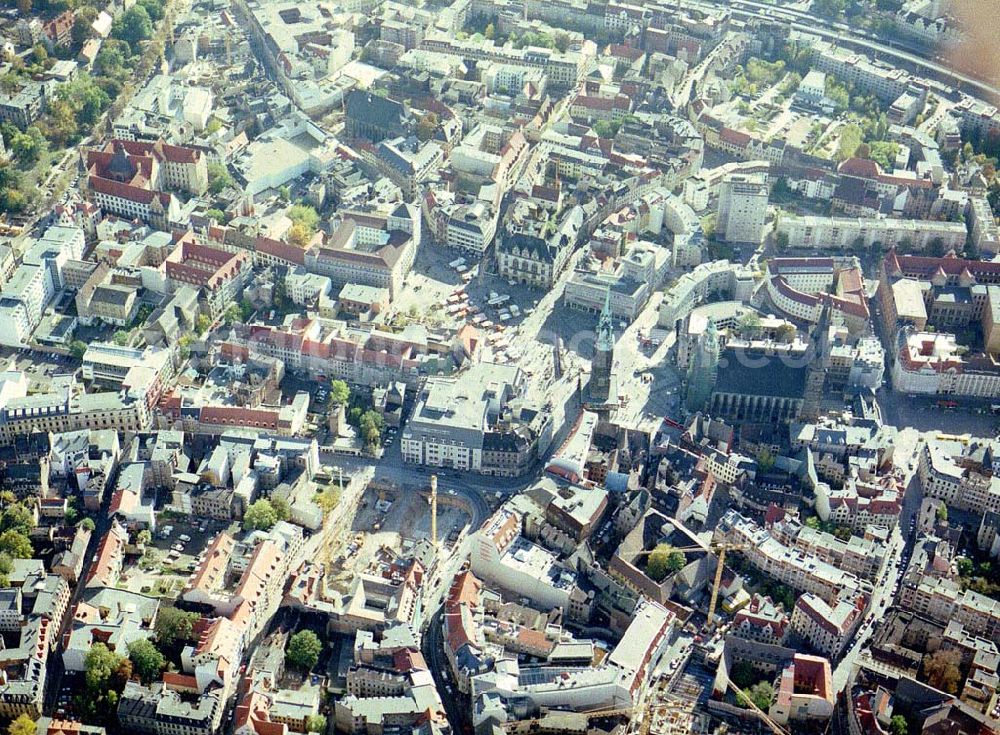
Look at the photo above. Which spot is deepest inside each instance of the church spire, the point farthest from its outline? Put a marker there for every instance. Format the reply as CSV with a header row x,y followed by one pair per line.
x,y
605,325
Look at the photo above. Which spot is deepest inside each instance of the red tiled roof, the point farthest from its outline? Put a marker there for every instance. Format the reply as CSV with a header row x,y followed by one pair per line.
x,y
281,250
125,191
860,167
159,149
734,137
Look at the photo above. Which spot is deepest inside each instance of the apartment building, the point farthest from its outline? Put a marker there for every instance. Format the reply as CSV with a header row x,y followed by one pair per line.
x,y
742,208
962,471
847,233
371,248
827,628
798,569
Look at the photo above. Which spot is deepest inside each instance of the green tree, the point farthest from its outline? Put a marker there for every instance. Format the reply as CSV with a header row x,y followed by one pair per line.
x,y
184,346
339,392
121,337
219,178
133,26
743,674
965,566
663,561
316,723
113,58
202,324
786,333
174,626
749,323
281,509
371,427
9,84
850,139
83,24
40,54
761,694
303,650
246,309
941,513
77,348
88,99
29,145
260,516
299,236
884,153
61,127
327,500
23,725
765,460
837,93
99,665
153,8
87,524
17,517
6,567
16,544
146,660
941,670
833,9
304,216
233,314
606,128
898,725
217,214
428,126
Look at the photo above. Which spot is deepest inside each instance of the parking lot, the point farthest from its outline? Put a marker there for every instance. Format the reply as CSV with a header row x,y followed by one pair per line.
x,y
40,367
172,555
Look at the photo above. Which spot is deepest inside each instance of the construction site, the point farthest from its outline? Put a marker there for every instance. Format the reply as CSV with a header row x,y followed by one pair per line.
x,y
397,520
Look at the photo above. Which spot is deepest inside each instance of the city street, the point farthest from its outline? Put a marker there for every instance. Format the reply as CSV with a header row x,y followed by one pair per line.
x,y
906,449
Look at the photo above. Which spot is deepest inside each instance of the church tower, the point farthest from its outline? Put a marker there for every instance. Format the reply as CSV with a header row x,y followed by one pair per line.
x,y
812,398
604,355
704,369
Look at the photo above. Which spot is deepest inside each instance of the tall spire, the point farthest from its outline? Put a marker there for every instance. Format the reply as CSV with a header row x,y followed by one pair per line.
x,y
605,325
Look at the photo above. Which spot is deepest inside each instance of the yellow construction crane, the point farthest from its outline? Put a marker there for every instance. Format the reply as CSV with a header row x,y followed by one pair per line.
x,y
774,726
719,549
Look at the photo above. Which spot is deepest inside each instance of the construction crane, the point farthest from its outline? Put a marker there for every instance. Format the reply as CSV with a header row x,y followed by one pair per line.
x,y
772,725
720,549
434,512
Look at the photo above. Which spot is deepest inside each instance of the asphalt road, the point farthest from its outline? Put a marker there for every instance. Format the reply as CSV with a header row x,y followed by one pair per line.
x,y
907,445
456,705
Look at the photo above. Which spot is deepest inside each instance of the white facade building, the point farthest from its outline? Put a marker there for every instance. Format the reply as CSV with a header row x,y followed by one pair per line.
x,y
742,208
